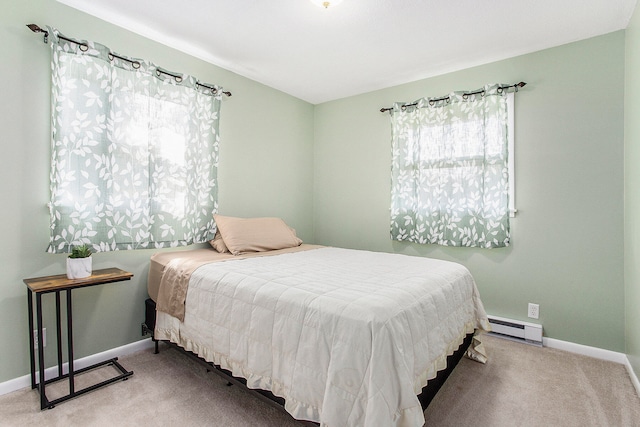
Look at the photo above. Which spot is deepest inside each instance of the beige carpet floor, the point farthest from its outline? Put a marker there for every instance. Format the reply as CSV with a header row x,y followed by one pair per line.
x,y
521,385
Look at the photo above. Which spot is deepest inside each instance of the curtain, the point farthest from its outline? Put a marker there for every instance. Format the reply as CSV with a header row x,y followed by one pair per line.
x,y
450,176
134,153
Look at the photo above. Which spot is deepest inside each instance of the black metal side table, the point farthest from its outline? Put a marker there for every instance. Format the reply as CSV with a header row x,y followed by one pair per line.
x,y
57,284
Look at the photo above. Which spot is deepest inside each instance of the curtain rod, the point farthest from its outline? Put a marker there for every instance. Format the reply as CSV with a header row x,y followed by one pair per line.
x,y
515,86
84,47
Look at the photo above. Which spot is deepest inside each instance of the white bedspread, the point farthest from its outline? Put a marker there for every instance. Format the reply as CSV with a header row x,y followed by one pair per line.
x,y
347,337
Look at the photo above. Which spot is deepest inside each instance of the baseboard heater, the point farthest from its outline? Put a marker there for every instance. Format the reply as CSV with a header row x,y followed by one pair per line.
x,y
516,330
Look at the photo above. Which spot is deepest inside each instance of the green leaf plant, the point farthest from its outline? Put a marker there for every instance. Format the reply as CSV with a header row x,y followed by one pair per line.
x,y
80,252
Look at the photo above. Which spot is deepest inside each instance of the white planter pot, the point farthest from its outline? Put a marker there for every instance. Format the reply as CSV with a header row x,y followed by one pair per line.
x,y
79,268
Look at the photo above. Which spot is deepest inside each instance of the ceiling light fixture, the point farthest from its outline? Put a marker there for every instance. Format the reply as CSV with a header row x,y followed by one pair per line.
x,y
325,3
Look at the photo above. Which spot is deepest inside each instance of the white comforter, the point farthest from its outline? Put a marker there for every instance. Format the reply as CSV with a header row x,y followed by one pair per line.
x,y
347,337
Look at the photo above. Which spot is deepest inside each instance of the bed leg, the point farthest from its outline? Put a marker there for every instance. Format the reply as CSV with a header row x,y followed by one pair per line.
x,y
229,383
149,331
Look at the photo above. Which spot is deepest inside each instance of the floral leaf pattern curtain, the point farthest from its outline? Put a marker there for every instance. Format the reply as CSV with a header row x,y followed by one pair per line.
x,y
450,170
134,152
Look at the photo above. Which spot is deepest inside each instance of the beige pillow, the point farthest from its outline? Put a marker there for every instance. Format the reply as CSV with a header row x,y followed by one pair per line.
x,y
218,244
242,235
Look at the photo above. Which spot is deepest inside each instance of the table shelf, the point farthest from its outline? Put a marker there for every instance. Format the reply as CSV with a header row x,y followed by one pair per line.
x,y
56,284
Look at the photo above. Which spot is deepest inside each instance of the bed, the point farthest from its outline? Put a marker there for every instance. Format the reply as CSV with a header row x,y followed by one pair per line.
x,y
344,337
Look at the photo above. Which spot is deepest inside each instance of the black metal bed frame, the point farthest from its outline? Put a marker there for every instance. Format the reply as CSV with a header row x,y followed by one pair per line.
x,y
427,395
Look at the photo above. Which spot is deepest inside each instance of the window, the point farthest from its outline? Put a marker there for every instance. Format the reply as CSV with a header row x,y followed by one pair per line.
x,y
134,152
451,176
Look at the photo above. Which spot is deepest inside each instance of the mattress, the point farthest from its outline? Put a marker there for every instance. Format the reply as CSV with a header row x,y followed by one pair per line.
x,y
170,272
346,337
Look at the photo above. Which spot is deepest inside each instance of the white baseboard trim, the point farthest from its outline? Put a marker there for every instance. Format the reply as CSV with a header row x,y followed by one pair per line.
x,y
25,381
634,377
585,350
598,353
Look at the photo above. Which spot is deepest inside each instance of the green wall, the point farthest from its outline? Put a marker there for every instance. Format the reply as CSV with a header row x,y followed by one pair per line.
x,y
266,156
632,191
567,238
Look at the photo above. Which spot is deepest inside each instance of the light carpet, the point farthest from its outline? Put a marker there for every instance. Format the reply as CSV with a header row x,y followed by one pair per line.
x,y
520,385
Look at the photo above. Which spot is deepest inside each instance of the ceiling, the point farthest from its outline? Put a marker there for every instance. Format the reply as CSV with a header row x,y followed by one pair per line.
x,y
358,46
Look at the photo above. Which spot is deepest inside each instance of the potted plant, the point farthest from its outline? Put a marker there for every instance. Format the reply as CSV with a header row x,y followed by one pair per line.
x,y
79,263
